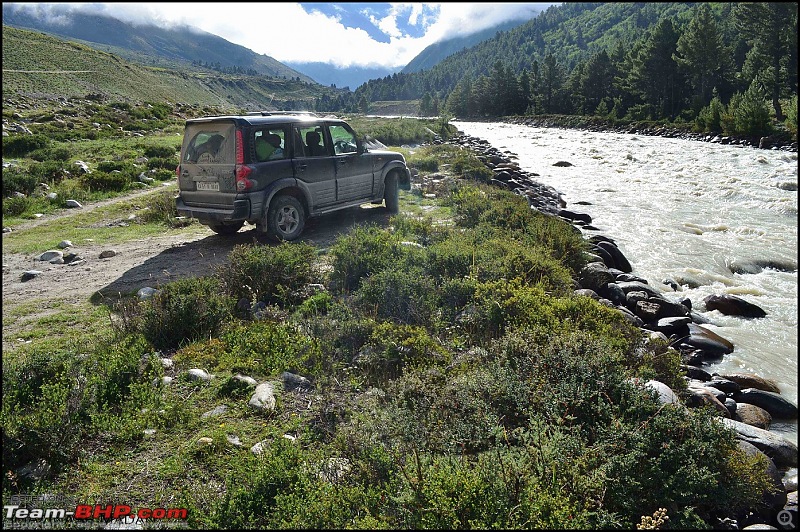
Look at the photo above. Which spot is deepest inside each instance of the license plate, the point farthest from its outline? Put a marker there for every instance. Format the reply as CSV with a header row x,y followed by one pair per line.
x,y
208,185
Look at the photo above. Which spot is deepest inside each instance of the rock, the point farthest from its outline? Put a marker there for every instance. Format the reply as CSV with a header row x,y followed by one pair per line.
x,y
295,382
245,380
753,415
701,396
595,276
263,398
776,498
693,372
65,244
146,292
702,338
782,451
29,274
218,411
49,255
621,263
196,374
73,204
260,447
777,406
107,253
205,440
733,306
751,380
563,164
724,385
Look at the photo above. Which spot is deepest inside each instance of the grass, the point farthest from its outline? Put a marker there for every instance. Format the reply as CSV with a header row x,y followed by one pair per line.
x,y
458,379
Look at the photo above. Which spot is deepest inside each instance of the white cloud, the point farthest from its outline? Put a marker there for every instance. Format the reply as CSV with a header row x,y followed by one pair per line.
x,y
286,32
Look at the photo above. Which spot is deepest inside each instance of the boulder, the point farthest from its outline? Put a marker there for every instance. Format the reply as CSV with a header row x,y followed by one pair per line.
x,y
777,406
751,380
782,451
702,338
753,415
733,306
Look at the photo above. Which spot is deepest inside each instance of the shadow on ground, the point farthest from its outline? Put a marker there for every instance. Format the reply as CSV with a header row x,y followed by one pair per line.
x,y
200,257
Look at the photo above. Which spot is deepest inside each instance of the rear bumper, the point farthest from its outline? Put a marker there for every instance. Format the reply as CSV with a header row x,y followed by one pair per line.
x,y
240,211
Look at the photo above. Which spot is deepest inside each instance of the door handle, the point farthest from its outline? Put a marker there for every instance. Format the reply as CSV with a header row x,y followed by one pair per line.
x,y
302,167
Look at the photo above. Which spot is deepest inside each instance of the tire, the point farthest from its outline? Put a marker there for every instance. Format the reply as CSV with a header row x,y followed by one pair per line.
x,y
286,218
390,193
226,229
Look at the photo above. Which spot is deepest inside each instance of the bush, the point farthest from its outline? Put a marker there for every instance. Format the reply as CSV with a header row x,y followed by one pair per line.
x,y
791,116
162,174
51,154
403,295
160,208
22,145
15,179
102,181
272,274
748,114
710,117
14,206
163,162
165,152
183,311
363,252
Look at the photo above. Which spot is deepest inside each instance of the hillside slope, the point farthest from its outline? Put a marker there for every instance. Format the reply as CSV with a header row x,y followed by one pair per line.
x,y
36,64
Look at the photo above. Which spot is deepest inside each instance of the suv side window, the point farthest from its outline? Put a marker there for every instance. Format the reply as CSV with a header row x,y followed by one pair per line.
x,y
269,144
344,140
311,141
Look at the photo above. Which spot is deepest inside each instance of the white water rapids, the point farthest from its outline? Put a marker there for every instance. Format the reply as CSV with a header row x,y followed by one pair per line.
x,y
716,219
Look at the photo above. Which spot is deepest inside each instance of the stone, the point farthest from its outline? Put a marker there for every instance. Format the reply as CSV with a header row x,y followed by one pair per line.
x,y
733,306
263,398
197,374
751,380
782,451
777,406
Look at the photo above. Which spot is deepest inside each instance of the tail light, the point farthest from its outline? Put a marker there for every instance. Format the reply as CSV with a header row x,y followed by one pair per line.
x,y
243,184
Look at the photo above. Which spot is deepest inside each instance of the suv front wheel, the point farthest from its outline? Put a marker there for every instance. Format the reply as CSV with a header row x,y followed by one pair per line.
x,y
286,218
390,193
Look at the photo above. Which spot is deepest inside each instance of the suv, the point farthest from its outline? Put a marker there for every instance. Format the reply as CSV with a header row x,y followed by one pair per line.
x,y
275,170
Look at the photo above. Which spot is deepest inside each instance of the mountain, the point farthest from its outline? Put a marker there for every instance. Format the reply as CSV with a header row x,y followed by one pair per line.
x,y
435,53
150,44
341,77
43,66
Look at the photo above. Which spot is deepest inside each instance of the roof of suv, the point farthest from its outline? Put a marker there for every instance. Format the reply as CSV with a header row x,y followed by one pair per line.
x,y
270,117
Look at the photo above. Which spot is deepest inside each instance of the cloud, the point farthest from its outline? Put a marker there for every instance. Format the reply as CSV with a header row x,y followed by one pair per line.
x,y
291,32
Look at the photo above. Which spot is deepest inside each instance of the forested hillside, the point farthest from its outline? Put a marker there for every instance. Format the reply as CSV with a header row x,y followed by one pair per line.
x,y
677,62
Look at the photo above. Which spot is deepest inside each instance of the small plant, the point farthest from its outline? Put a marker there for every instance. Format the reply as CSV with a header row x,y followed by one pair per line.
x,y
654,522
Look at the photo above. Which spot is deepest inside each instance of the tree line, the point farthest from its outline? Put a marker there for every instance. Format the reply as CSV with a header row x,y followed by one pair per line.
x,y
727,67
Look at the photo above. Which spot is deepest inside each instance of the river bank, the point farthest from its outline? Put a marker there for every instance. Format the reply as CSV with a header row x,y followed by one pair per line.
x,y
777,141
610,279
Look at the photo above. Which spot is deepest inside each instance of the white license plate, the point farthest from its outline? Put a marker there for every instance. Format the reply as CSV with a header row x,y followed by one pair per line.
x,y
208,185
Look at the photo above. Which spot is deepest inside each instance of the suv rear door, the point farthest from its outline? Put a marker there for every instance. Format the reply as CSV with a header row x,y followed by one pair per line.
x,y
208,164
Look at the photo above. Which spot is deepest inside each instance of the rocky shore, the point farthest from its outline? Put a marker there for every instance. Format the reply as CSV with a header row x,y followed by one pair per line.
x,y
746,403
776,141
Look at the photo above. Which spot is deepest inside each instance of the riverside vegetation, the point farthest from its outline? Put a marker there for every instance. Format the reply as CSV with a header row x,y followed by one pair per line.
x,y
436,373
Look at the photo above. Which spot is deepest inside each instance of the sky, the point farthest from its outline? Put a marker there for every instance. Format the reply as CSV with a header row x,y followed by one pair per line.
x,y
343,34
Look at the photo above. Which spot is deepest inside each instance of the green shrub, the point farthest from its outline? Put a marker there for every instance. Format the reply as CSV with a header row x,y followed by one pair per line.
x,y
102,181
274,274
51,154
748,114
791,116
13,206
22,145
165,152
162,174
160,208
364,251
183,311
167,163
710,117
49,171
404,295
15,179
120,166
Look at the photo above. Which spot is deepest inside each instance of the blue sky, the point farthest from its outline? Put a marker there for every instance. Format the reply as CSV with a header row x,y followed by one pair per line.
x,y
344,34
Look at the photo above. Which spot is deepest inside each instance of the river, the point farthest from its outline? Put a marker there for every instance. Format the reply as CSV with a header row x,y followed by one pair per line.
x,y
717,219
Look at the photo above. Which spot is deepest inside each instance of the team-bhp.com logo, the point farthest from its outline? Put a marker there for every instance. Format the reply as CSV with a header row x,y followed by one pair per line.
x,y
87,512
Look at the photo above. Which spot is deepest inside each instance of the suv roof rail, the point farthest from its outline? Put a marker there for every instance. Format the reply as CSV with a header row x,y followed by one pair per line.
x,y
270,113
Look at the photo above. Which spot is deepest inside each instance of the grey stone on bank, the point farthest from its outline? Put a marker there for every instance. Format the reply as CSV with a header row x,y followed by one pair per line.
x,y
217,411
693,372
29,274
50,254
595,276
65,244
73,204
782,451
777,406
146,292
107,253
751,380
196,374
263,398
702,338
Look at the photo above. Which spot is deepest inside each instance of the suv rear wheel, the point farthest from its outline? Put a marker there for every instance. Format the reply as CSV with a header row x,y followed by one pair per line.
x,y
226,229
286,218
390,193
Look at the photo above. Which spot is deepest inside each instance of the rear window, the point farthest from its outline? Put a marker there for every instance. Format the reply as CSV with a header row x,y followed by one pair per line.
x,y
213,143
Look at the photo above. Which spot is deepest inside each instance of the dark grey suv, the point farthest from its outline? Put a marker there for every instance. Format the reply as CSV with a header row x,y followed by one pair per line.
x,y
274,170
